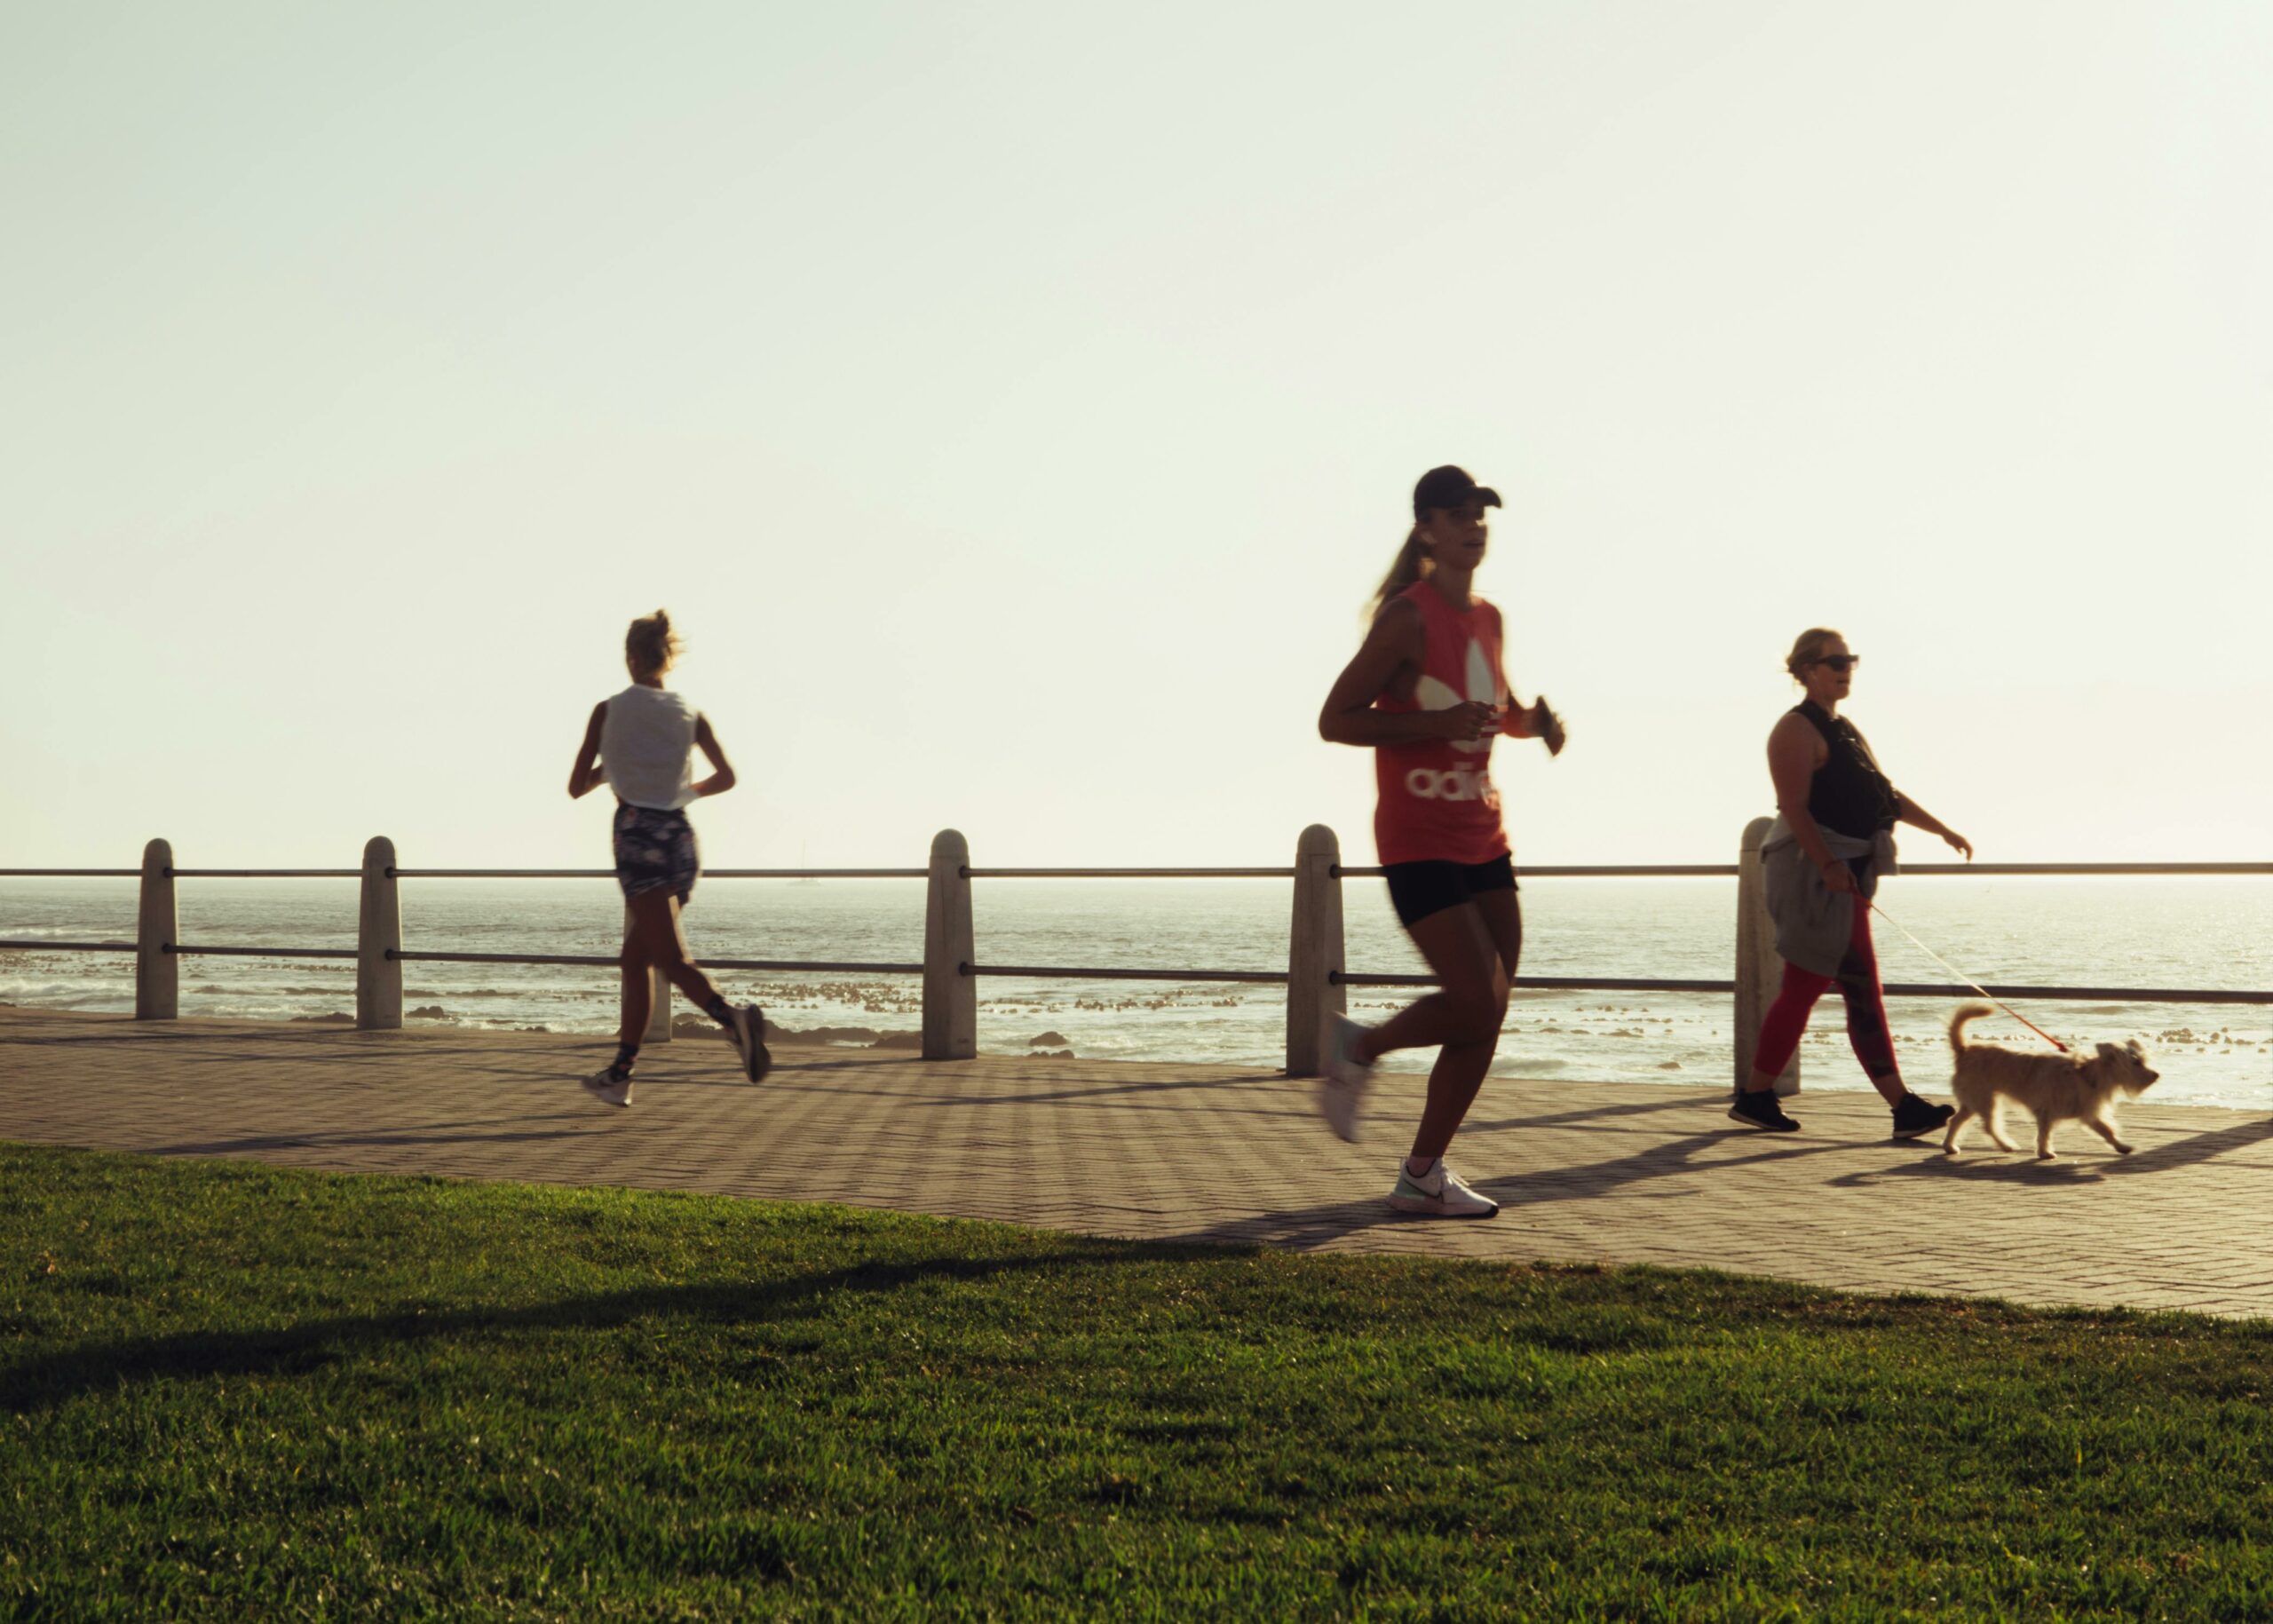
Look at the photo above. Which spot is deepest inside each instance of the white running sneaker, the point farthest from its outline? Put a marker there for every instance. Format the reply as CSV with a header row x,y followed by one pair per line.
x,y
607,1090
1342,1090
1442,1193
749,1035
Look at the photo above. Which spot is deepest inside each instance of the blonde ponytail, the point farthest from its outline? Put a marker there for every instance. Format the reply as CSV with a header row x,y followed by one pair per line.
x,y
1413,564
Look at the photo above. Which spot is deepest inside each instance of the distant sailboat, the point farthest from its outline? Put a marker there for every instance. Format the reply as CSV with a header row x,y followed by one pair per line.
x,y
804,861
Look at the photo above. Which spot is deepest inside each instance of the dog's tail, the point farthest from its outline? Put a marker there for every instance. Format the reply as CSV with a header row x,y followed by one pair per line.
x,y
1966,1015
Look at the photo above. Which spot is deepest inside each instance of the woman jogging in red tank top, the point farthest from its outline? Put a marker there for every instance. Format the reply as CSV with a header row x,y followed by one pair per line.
x,y
1427,694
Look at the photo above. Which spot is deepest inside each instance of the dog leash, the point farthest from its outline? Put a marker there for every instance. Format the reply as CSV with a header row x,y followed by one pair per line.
x,y
1976,986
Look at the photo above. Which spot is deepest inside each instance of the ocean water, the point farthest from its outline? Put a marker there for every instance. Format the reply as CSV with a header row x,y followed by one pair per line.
x,y
2180,933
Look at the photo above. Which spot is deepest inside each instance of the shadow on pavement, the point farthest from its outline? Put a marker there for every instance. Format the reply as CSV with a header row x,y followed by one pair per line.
x,y
434,1133
2084,1158
1317,1225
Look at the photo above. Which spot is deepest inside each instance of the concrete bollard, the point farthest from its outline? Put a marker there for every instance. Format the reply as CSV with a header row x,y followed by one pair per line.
x,y
378,938
659,996
950,991
1759,973
1314,950
157,972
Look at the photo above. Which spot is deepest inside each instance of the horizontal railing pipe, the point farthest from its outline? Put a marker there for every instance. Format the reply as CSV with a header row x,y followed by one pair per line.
x,y
611,961
609,874
44,947
2086,869
405,955
2081,995
1129,874
1551,871
826,966
1560,984
507,874
1572,871
187,950
1892,989
1642,871
1065,972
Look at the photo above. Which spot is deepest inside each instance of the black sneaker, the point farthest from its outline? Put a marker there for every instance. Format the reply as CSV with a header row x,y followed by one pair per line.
x,y
1913,1116
748,1034
1762,1109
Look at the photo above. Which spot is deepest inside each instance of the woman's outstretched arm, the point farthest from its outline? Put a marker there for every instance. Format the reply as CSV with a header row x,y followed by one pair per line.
x,y
1909,812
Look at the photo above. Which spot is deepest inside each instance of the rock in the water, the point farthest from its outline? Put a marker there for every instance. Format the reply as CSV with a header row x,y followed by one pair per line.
x,y
1047,1039
336,1019
428,1011
901,1039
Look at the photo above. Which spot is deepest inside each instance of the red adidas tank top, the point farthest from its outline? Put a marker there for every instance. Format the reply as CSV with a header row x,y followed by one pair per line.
x,y
1435,799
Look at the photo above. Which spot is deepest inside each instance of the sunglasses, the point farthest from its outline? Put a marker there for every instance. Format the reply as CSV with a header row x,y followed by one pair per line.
x,y
1841,663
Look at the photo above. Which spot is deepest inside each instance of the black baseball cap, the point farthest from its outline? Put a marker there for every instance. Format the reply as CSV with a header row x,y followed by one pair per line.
x,y
1450,487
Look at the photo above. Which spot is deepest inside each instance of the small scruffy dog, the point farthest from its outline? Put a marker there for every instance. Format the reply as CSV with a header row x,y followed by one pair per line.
x,y
2056,1087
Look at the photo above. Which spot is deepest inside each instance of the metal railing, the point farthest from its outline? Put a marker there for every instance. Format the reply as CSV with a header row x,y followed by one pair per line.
x,y
1315,977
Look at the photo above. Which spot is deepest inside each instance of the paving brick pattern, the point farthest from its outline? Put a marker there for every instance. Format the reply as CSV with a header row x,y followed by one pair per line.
x,y
1615,1173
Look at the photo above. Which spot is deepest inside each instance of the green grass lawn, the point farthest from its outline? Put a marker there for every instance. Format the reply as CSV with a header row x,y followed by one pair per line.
x,y
234,1392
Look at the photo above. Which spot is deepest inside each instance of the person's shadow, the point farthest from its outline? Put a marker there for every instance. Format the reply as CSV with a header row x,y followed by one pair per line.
x,y
1534,1188
52,1379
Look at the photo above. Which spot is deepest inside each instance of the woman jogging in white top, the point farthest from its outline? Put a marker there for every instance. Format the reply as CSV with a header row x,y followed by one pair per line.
x,y
641,743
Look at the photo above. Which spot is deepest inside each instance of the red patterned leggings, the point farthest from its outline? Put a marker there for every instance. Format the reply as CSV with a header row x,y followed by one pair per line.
x,y
1859,985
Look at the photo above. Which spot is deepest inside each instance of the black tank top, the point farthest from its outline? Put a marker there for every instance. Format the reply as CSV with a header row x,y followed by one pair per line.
x,y
1849,792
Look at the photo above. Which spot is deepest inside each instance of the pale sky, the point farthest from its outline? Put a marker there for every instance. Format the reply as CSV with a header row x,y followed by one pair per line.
x,y
1016,403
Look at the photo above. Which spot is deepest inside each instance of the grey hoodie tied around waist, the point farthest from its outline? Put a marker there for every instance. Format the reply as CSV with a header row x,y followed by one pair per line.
x,y
1813,923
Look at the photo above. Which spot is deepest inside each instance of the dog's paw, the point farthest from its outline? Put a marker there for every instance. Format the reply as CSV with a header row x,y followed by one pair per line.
x,y
2048,1155
2122,1149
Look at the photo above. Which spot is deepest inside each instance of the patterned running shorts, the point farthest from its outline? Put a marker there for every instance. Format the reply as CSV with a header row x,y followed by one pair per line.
x,y
655,850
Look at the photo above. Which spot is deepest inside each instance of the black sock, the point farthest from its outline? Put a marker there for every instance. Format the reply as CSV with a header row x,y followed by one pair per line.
x,y
626,1055
718,1009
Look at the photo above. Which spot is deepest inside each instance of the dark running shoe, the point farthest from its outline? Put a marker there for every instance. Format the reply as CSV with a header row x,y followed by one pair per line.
x,y
1763,1110
749,1032
1913,1116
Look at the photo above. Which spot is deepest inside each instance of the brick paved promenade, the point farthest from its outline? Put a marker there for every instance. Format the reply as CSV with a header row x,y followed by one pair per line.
x,y
1610,1172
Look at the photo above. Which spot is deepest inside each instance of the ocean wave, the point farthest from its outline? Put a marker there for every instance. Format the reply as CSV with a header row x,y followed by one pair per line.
x,y
63,995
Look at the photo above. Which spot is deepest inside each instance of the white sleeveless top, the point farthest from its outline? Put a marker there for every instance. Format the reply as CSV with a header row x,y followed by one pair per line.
x,y
646,748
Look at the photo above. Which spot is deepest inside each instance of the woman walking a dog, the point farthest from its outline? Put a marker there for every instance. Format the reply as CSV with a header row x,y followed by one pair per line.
x,y
642,743
1427,693
1831,842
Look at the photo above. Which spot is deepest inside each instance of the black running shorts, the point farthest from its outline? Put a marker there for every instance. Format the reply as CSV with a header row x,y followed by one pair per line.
x,y
1418,890
655,850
